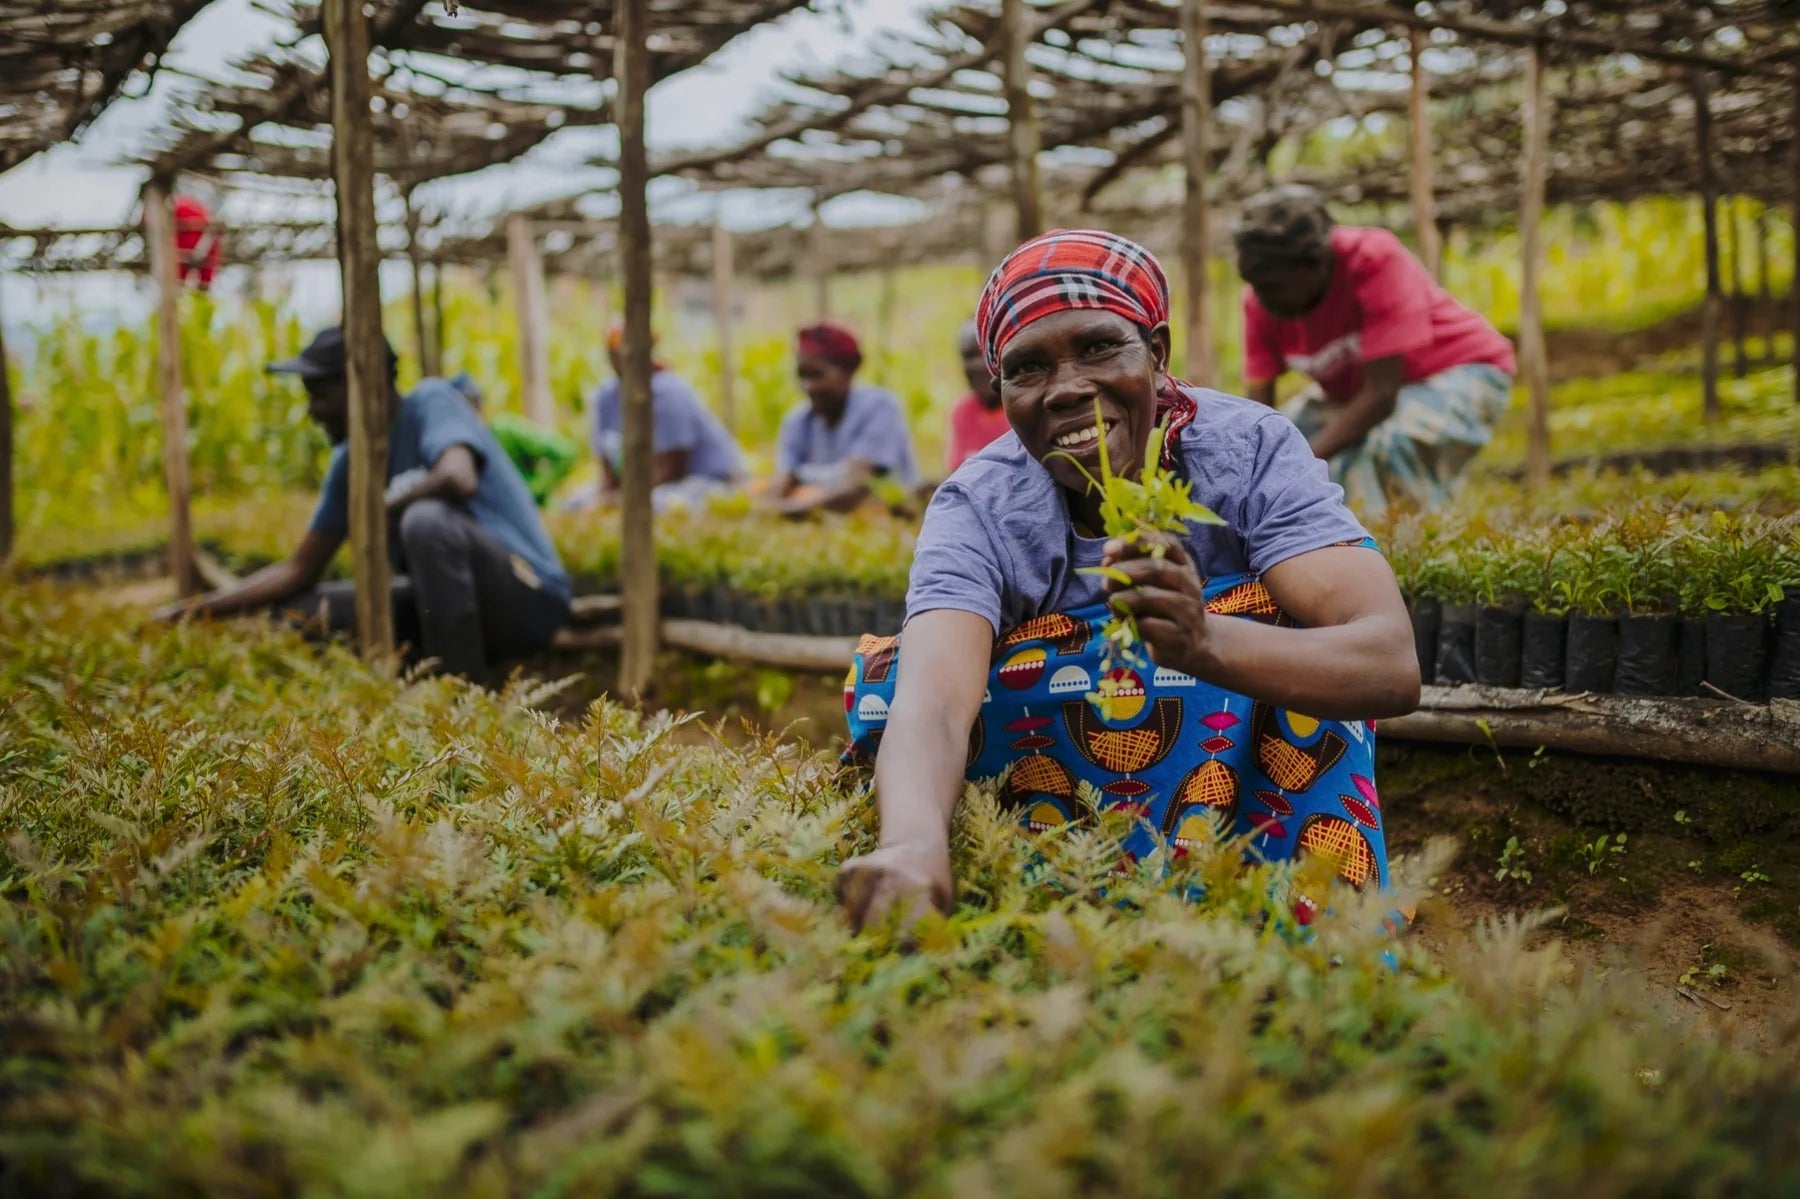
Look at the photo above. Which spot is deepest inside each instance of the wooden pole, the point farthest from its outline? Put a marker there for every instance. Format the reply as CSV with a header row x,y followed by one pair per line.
x,y
1196,121
1794,287
1734,291
886,301
1424,200
159,231
346,32
638,593
723,298
1021,115
1533,356
819,250
532,305
1709,208
437,313
6,445
415,256
1765,290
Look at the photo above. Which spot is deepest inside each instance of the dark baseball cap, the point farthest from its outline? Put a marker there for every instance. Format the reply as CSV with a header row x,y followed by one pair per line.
x,y
323,358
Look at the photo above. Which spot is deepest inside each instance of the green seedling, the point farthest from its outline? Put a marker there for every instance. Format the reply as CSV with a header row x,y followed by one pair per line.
x,y
1131,510
1512,863
1607,849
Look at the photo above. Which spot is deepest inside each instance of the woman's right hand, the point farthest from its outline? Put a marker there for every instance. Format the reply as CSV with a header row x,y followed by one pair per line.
x,y
909,878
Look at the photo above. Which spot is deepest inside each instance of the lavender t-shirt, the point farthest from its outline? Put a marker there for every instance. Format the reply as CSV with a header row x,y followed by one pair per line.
x,y
872,429
998,539
678,421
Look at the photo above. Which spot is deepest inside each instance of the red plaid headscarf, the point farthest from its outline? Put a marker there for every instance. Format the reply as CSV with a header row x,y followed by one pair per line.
x,y
1081,268
832,342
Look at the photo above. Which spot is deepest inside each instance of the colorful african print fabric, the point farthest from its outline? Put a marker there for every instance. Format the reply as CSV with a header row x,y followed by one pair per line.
x,y
1417,455
1185,755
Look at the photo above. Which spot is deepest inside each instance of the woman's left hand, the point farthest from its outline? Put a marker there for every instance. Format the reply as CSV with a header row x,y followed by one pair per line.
x,y
1166,596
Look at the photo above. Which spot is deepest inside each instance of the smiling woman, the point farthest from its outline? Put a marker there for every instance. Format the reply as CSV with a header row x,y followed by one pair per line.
x,y
1072,324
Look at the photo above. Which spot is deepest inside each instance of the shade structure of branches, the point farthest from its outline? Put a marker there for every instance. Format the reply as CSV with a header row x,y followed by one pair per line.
x,y
1107,75
62,63
438,109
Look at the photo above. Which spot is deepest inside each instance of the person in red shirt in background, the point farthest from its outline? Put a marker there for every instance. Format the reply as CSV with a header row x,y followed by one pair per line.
x,y
977,419
1407,383
198,243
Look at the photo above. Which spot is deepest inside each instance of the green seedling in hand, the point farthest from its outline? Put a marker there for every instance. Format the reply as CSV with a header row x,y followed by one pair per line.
x,y
1131,509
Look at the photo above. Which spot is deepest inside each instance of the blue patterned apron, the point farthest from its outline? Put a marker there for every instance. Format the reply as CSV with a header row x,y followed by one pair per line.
x,y
1185,755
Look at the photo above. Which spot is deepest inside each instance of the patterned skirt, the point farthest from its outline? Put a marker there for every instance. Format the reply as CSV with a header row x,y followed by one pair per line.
x,y
1417,455
1184,756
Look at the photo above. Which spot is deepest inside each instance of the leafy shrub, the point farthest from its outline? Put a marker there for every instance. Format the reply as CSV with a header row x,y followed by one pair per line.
x,y
270,923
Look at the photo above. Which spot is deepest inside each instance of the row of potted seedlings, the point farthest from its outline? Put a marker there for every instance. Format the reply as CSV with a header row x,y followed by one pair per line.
x,y
840,576
1649,604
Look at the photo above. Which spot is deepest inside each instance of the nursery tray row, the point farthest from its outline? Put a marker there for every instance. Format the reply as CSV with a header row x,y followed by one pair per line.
x,y
1674,460
1751,657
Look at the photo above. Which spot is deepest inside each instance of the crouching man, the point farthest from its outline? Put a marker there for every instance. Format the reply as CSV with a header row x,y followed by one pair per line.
x,y
477,580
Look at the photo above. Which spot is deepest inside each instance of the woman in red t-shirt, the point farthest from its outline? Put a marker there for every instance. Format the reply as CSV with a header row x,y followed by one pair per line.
x,y
1407,383
976,420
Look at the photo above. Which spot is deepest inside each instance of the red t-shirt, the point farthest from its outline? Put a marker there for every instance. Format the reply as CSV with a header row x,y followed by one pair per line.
x,y
973,426
1381,302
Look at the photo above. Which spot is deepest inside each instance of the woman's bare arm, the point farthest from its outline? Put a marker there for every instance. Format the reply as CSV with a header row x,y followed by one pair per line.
x,y
919,771
1353,660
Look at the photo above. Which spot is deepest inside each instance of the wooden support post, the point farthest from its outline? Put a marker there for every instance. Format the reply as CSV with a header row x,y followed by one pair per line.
x,y
1794,287
415,255
818,247
1765,289
6,445
159,232
723,299
532,305
1196,222
1424,201
437,313
1734,289
887,299
346,32
1709,208
1533,356
1021,117
638,592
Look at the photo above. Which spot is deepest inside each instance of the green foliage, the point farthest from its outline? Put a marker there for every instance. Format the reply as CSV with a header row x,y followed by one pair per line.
x,y
1640,410
272,924
1607,849
1133,507
1512,864
1649,556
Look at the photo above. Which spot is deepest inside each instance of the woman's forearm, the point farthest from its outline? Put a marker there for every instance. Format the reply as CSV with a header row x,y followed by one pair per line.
x,y
919,776
1363,670
1353,423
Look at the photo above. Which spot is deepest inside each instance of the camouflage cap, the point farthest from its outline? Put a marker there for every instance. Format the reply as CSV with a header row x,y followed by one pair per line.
x,y
1282,226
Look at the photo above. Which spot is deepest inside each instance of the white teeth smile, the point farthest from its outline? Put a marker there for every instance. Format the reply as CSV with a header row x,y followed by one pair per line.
x,y
1081,437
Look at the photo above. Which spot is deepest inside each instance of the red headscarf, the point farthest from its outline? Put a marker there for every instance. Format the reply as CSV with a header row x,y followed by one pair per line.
x,y
832,342
615,342
1081,268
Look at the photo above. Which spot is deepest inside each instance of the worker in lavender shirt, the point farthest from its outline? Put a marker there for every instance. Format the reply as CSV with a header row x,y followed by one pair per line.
x,y
845,434
1074,326
695,455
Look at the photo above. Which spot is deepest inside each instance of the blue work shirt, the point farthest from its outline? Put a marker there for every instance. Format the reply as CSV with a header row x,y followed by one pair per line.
x,y
872,429
433,418
679,421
